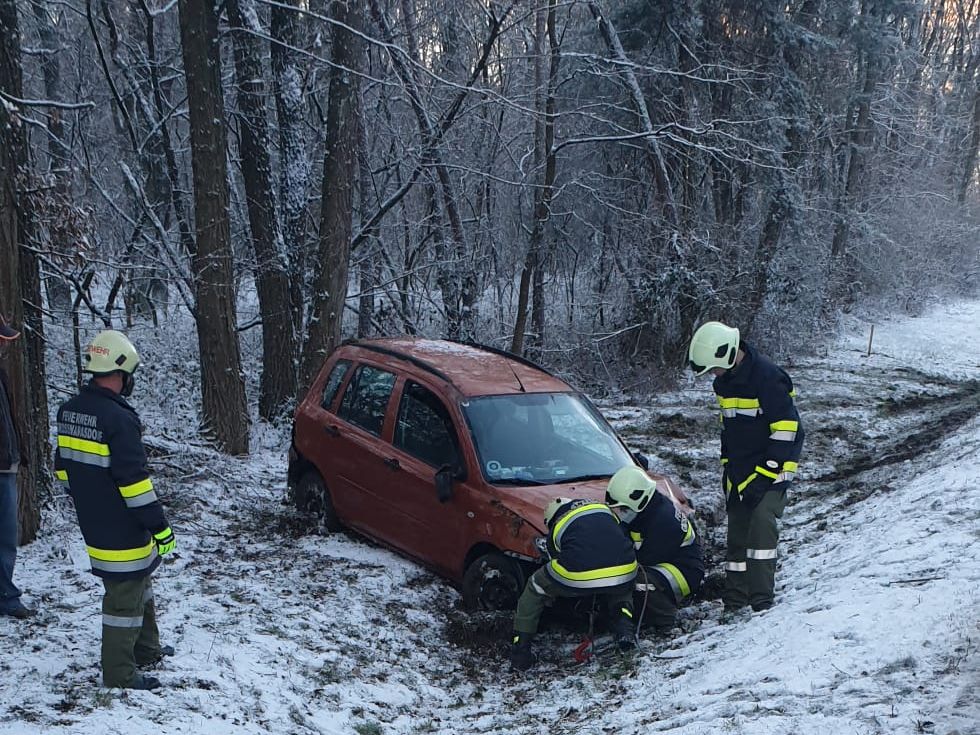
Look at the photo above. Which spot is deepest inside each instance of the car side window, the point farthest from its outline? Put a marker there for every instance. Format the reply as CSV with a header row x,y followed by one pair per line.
x,y
333,383
424,428
366,398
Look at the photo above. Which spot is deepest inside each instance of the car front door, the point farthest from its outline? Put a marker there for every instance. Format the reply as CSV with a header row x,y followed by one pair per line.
x,y
425,439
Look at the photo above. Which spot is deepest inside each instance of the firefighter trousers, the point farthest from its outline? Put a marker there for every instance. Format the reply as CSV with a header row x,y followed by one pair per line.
x,y
541,589
750,567
129,629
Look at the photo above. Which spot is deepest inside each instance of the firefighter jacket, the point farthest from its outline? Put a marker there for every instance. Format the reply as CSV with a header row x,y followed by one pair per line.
x,y
762,436
667,543
588,547
101,459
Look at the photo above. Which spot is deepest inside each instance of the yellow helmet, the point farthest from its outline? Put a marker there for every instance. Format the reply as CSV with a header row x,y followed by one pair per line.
x,y
110,351
714,345
632,487
552,508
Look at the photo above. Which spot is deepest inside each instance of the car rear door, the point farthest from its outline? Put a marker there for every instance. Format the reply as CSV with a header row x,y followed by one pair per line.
x,y
358,449
424,439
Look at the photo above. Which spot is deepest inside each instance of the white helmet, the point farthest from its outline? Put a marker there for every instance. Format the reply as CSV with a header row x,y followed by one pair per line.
x,y
110,351
552,508
714,345
632,487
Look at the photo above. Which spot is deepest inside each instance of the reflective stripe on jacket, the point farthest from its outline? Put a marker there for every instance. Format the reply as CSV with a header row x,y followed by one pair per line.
x,y
667,543
589,549
101,460
762,435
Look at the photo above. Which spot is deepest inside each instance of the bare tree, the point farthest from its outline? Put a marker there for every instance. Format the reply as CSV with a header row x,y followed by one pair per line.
x,y
20,288
278,382
339,177
225,415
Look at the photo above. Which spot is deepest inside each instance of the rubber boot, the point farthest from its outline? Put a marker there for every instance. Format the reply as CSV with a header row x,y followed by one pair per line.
x,y
623,628
521,654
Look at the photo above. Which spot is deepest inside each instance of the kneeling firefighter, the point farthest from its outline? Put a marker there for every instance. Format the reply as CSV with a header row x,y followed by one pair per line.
x,y
590,555
666,543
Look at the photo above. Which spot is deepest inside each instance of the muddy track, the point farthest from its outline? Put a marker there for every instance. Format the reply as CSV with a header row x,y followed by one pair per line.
x,y
941,415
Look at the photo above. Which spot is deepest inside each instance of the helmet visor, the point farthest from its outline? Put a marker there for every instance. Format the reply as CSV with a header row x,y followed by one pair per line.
x,y
634,495
698,369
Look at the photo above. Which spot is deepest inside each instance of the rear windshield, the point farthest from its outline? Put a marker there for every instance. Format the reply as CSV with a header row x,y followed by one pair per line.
x,y
542,439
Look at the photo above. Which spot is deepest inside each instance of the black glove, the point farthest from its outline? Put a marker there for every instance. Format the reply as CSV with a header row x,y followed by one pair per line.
x,y
755,491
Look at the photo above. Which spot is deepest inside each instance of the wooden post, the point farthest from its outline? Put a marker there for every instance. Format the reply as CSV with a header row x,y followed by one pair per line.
x,y
871,339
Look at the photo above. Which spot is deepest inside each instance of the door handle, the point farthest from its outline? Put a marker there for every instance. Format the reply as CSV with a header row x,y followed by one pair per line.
x,y
332,430
392,463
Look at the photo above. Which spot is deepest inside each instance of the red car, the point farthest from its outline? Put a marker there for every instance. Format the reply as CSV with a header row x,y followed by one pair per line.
x,y
449,454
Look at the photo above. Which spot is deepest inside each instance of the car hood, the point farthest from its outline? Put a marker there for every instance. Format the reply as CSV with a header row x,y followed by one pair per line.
x,y
529,502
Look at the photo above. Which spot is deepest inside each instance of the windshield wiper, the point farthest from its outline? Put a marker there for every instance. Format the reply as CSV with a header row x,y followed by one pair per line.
x,y
581,478
518,482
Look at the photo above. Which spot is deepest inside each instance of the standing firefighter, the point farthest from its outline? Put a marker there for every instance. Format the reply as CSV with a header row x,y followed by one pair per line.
x,y
667,545
761,441
101,459
589,555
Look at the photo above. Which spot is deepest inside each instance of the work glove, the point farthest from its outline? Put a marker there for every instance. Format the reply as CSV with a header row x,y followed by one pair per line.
x,y
165,541
755,491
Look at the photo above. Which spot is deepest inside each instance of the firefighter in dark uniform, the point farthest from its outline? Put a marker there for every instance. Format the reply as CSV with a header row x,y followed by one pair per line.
x,y
101,460
761,442
589,555
666,542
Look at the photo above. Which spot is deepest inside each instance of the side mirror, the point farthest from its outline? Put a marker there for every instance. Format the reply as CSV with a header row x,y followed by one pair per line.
x,y
445,477
642,460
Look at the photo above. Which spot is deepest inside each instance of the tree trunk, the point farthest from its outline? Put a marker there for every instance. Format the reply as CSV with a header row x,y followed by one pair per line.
x,y
970,168
288,72
58,288
542,208
20,289
225,415
278,381
336,208
654,154
456,287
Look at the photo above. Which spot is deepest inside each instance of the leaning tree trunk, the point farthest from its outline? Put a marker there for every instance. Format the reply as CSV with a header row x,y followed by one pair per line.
x,y
225,415
337,198
20,286
278,383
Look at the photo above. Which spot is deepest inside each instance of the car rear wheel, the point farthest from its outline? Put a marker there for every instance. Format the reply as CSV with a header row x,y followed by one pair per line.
x,y
312,496
493,582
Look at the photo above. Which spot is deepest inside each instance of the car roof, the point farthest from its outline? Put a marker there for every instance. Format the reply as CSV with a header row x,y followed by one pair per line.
x,y
474,370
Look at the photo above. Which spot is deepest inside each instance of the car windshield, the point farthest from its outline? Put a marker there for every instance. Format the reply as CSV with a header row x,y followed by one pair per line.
x,y
542,439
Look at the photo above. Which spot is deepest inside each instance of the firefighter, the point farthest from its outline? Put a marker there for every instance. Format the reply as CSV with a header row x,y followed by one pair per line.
x,y
101,460
589,554
666,542
761,442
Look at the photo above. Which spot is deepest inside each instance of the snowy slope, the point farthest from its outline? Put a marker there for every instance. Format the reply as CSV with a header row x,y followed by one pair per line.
x,y
282,630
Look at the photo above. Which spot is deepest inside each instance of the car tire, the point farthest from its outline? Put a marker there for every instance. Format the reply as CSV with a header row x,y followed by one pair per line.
x,y
493,582
312,496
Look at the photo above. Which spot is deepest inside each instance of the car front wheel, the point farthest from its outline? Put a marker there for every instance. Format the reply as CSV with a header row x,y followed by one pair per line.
x,y
493,582
312,495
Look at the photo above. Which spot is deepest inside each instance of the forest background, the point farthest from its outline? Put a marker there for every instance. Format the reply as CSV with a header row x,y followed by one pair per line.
x,y
579,182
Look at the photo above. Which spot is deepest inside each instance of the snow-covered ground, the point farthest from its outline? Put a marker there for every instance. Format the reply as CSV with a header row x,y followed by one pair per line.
x,y
281,630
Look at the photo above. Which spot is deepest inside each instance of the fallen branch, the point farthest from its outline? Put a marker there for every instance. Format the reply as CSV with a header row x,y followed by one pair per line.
x,y
919,580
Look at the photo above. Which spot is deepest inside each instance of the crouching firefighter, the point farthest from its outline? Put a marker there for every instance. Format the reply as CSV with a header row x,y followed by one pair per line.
x,y
590,555
666,542
101,460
